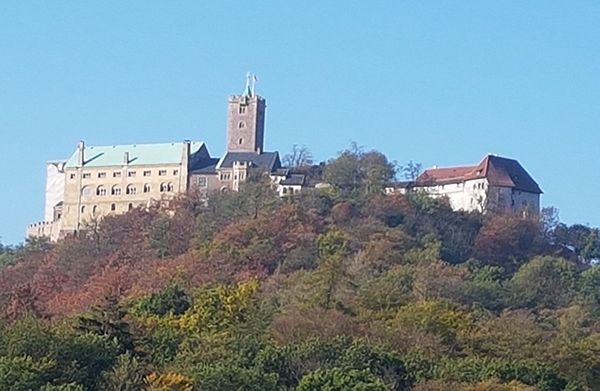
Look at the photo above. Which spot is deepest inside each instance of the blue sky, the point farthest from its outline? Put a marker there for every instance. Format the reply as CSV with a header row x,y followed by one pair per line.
x,y
436,82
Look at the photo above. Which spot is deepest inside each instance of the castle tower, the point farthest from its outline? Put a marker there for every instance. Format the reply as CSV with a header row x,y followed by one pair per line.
x,y
246,122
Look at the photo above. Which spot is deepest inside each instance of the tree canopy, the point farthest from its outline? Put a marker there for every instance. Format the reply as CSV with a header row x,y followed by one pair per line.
x,y
340,288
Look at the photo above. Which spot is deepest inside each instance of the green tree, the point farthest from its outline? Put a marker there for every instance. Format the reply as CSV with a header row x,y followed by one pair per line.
x,y
108,319
171,300
355,172
336,379
331,276
581,239
544,282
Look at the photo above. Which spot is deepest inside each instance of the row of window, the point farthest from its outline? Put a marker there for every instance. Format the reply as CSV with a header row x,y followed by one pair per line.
x,y
129,190
226,176
113,208
117,174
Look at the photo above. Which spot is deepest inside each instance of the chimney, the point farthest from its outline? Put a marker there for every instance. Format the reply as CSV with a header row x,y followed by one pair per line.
x,y
126,158
80,151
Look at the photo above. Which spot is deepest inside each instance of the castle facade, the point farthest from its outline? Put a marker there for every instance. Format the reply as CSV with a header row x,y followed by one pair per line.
x,y
100,180
496,183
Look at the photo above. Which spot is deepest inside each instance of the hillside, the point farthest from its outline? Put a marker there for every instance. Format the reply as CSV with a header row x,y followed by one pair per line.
x,y
335,289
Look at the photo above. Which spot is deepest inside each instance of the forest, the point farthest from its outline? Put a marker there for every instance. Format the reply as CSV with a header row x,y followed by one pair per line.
x,y
340,288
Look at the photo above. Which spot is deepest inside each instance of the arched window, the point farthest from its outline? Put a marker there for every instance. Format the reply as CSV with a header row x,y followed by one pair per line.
x,y
86,191
131,190
116,190
130,206
163,187
101,191
94,209
241,125
113,207
169,187
240,141
146,188
82,208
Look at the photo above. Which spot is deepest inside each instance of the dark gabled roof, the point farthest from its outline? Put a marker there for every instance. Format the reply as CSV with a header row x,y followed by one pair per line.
x,y
266,160
294,180
499,171
281,172
204,166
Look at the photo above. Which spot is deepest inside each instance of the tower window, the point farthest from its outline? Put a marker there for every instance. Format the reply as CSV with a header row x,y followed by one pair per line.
x,y
241,125
240,141
242,110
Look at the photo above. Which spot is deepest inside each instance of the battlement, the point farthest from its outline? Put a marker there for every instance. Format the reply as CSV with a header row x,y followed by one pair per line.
x,y
49,229
41,224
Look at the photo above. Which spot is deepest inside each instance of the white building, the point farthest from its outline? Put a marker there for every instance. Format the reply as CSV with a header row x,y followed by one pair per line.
x,y
496,183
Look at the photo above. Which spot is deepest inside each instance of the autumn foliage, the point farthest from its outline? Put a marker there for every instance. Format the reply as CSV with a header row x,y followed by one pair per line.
x,y
335,289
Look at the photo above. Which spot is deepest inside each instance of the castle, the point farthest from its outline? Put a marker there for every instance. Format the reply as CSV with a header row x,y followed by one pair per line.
x,y
496,183
100,180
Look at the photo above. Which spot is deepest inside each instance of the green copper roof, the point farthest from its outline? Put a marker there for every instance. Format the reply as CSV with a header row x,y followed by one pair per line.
x,y
139,154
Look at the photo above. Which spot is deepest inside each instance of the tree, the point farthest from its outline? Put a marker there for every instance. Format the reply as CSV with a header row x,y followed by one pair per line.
x,y
126,375
581,239
332,276
171,300
336,379
411,170
107,319
509,241
355,172
544,282
300,156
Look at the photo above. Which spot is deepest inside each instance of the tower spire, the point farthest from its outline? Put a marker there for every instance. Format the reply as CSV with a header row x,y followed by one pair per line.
x,y
247,89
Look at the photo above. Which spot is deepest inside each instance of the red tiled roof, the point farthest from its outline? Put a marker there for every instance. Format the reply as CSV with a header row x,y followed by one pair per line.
x,y
499,171
436,174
